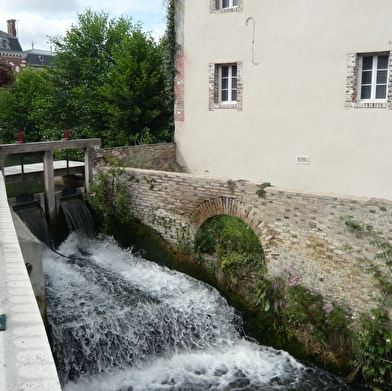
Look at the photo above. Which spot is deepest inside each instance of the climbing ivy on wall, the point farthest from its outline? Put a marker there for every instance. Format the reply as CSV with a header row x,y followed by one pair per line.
x,y
169,49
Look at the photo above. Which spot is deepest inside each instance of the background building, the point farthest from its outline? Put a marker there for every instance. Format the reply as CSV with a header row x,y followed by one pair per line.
x,y
297,93
11,50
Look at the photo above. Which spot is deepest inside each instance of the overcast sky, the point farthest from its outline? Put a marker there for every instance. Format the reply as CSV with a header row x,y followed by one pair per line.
x,y
38,19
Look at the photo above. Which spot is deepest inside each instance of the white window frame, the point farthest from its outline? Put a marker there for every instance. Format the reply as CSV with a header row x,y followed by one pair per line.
x,y
231,4
230,88
373,80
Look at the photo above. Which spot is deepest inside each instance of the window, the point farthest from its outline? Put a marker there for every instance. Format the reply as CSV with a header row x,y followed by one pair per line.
x,y
228,83
224,6
228,3
373,77
225,86
369,80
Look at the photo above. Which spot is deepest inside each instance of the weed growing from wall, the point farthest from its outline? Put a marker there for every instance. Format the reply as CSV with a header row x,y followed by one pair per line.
x,y
373,343
109,198
261,190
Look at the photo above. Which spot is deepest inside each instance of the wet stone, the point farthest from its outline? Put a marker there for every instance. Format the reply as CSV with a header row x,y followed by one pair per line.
x,y
222,370
240,383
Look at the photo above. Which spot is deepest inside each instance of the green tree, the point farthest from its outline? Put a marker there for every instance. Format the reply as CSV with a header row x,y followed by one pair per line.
x,y
135,100
84,58
109,88
108,81
19,109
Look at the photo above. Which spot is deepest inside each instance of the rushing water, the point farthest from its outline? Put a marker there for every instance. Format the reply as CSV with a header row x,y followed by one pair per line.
x,y
119,322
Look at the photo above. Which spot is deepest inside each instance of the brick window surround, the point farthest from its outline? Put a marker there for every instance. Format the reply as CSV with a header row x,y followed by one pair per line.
x,y
215,7
214,101
353,89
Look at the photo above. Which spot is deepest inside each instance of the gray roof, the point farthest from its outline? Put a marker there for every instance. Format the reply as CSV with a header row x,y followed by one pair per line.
x,y
9,43
38,58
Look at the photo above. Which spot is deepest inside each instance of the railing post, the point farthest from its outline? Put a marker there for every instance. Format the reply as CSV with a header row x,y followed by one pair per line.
x,y
88,168
2,163
49,187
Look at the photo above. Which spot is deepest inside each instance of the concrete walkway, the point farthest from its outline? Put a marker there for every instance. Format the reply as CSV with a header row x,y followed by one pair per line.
x,y
26,361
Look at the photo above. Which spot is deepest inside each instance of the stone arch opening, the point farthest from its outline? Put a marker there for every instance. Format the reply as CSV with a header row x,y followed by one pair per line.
x,y
231,206
226,236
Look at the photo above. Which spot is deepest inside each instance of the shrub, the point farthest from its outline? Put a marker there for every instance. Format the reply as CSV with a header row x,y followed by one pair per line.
x,y
7,74
109,198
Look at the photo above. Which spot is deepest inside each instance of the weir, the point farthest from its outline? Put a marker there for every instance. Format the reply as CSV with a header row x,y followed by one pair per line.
x,y
49,171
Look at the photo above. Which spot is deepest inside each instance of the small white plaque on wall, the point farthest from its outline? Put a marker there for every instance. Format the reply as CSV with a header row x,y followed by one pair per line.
x,y
302,159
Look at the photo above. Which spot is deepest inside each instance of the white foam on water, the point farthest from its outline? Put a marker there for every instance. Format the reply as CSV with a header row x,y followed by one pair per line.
x,y
245,362
122,323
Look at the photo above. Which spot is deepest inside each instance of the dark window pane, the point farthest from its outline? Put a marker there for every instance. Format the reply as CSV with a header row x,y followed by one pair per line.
x,y
225,96
234,83
225,3
225,71
365,92
367,63
381,92
234,95
382,77
382,62
234,70
366,77
225,84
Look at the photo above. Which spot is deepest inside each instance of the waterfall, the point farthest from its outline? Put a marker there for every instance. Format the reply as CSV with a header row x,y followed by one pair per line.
x,y
34,218
118,322
78,216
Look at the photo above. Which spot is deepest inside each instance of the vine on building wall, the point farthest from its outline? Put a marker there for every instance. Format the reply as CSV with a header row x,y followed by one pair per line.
x,y
169,46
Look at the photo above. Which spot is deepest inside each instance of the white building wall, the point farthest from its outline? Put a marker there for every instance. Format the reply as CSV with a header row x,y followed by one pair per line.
x,y
293,99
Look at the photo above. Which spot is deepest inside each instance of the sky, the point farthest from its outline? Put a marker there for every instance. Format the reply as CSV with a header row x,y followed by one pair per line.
x,y
39,19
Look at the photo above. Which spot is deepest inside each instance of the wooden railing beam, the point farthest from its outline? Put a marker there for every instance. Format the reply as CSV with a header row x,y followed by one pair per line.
x,y
11,149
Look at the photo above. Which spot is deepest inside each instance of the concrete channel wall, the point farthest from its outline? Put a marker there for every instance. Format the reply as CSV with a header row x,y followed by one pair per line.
x,y
26,361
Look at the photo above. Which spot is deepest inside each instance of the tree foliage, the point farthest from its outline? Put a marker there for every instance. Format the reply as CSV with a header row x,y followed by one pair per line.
x,y
108,81
20,105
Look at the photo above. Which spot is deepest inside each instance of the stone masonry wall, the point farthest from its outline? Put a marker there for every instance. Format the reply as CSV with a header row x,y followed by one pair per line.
x,y
161,153
296,229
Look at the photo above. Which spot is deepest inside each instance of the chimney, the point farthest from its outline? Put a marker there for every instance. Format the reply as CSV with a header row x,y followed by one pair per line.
x,y
11,27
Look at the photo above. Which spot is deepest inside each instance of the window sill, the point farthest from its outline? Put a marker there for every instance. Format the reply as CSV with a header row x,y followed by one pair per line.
x,y
371,105
232,106
226,10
